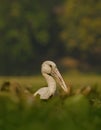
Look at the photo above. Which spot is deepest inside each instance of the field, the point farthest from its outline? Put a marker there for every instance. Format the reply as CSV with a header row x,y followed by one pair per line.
x,y
76,112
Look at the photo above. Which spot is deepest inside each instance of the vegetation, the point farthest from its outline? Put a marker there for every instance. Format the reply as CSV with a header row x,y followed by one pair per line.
x,y
75,112
33,31
81,28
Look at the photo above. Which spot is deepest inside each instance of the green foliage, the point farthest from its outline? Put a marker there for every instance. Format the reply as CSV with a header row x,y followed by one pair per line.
x,y
81,29
26,32
73,113
76,112
33,31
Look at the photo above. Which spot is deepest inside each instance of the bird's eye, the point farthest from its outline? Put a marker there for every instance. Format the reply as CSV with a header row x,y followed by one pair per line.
x,y
50,66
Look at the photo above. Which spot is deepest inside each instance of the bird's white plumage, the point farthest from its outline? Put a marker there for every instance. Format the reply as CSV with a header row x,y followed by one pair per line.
x,y
44,93
50,71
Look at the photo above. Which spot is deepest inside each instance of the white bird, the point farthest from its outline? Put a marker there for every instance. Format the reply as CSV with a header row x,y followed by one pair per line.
x,y
49,71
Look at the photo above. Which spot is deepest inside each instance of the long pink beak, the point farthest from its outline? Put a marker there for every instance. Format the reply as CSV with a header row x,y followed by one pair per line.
x,y
59,79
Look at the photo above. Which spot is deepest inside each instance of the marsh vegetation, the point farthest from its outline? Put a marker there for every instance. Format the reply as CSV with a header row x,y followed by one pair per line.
x,y
74,112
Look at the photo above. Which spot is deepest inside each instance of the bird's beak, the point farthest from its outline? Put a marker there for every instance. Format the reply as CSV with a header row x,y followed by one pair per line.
x,y
59,79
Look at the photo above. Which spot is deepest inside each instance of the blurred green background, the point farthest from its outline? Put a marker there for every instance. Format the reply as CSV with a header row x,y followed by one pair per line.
x,y
65,31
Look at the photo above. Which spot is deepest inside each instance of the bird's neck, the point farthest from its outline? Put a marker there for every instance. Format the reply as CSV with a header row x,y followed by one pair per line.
x,y
51,82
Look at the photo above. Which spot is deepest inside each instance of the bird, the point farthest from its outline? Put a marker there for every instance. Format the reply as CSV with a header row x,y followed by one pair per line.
x,y
51,73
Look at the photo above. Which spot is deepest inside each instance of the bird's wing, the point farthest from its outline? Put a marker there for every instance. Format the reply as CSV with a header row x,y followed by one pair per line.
x,y
43,92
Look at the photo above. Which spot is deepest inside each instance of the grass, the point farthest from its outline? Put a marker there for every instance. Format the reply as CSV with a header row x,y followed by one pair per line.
x,y
74,78
73,113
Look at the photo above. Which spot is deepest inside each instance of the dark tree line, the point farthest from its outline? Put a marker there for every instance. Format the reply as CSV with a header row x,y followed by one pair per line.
x,y
33,31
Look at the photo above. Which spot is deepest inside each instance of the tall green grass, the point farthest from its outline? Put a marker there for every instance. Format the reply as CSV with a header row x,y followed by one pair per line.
x,y
76,112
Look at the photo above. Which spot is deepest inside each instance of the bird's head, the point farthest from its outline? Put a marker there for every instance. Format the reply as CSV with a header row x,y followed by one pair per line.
x,y
47,67
50,68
